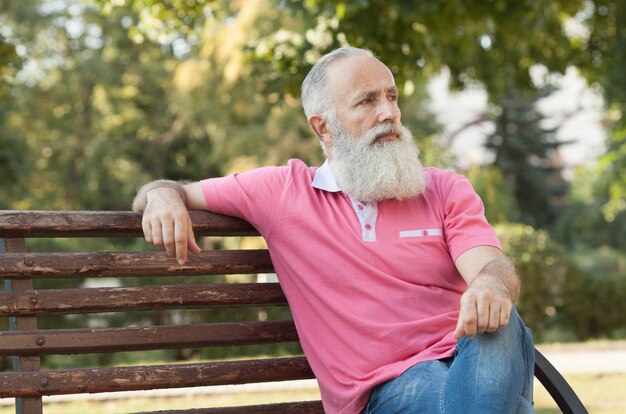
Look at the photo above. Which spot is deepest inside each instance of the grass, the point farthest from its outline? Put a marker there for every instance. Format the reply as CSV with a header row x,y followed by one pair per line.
x,y
601,394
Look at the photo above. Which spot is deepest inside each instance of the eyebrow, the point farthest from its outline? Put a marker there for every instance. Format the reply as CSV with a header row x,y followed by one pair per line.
x,y
370,94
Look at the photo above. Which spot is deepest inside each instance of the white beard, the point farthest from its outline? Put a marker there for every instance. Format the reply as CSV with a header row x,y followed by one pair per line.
x,y
369,171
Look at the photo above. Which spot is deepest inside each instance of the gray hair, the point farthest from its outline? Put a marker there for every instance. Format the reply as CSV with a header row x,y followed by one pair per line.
x,y
315,94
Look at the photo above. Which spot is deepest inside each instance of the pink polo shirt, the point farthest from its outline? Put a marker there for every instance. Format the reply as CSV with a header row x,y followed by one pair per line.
x,y
373,288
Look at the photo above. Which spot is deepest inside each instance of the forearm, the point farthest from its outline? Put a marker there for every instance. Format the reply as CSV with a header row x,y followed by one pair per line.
x,y
500,271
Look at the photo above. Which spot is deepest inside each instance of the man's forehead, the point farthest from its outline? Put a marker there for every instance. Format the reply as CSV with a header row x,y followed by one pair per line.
x,y
360,74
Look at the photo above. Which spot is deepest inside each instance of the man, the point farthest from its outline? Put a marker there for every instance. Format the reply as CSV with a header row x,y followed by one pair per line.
x,y
399,289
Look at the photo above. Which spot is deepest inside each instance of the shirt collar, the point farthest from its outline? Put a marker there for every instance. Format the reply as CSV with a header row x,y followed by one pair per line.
x,y
324,179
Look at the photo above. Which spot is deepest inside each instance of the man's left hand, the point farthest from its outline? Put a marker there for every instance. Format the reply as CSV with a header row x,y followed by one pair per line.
x,y
493,286
485,306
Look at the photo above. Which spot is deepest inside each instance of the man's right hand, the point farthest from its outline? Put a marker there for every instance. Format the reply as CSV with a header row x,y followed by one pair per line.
x,y
166,224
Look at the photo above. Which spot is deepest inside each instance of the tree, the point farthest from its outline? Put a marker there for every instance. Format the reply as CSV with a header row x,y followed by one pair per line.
x,y
477,41
602,60
526,153
96,118
12,150
496,194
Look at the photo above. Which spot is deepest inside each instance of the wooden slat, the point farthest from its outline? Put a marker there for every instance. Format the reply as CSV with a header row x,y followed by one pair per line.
x,y
38,265
84,300
301,407
31,384
82,341
108,224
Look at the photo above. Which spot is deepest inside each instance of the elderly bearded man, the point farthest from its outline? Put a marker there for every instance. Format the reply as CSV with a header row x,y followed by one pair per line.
x,y
401,295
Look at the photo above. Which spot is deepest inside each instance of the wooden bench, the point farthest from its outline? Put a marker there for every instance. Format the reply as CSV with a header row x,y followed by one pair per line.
x,y
44,284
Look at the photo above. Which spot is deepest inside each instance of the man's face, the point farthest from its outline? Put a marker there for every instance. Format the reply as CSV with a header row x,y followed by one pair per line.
x,y
371,154
370,169
365,95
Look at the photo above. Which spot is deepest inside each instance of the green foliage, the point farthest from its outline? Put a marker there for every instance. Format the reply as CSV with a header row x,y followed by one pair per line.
x,y
546,273
612,165
594,307
498,197
476,40
602,61
9,63
12,150
582,223
582,296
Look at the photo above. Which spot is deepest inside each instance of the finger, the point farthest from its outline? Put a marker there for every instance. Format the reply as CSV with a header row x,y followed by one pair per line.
x,y
147,229
167,230
181,239
157,238
469,314
505,314
482,313
191,240
494,317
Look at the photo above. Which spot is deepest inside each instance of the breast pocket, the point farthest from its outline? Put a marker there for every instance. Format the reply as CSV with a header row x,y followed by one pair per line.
x,y
406,234
423,253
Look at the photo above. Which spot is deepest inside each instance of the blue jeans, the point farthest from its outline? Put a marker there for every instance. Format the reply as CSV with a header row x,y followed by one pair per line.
x,y
492,373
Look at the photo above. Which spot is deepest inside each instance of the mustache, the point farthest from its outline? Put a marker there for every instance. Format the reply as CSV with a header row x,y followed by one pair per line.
x,y
382,129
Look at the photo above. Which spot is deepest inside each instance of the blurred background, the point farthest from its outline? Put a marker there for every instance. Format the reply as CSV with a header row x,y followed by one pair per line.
x,y
525,97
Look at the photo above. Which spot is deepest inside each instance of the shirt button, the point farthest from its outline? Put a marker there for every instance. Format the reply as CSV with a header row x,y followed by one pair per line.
x,y
424,232
368,227
360,206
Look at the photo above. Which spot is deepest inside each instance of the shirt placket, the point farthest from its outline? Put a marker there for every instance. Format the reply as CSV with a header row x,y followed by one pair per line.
x,y
367,214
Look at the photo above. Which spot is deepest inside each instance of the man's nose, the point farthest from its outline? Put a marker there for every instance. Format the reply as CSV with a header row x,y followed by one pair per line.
x,y
388,111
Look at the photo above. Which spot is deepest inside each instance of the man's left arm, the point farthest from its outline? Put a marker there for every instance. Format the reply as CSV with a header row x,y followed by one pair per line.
x,y
493,287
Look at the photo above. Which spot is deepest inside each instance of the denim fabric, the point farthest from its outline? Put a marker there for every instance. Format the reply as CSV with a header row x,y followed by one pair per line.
x,y
490,374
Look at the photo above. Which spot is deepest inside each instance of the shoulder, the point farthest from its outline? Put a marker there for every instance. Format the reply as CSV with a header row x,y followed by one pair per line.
x,y
448,187
297,170
442,181
294,167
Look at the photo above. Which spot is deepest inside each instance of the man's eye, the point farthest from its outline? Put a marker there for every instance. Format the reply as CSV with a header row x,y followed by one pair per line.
x,y
365,101
393,98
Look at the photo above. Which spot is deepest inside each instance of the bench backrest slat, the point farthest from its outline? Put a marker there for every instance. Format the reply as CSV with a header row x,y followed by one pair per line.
x,y
84,341
91,380
108,224
110,264
88,300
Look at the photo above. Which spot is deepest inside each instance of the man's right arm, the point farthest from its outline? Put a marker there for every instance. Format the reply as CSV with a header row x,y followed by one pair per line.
x,y
166,223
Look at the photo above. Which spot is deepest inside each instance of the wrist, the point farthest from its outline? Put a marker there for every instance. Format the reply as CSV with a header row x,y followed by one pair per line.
x,y
141,199
498,276
490,281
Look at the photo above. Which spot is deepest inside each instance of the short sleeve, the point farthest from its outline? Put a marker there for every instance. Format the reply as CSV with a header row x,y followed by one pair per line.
x,y
253,195
465,224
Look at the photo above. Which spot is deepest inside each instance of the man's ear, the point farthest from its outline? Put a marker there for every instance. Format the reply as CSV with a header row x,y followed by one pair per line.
x,y
321,129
